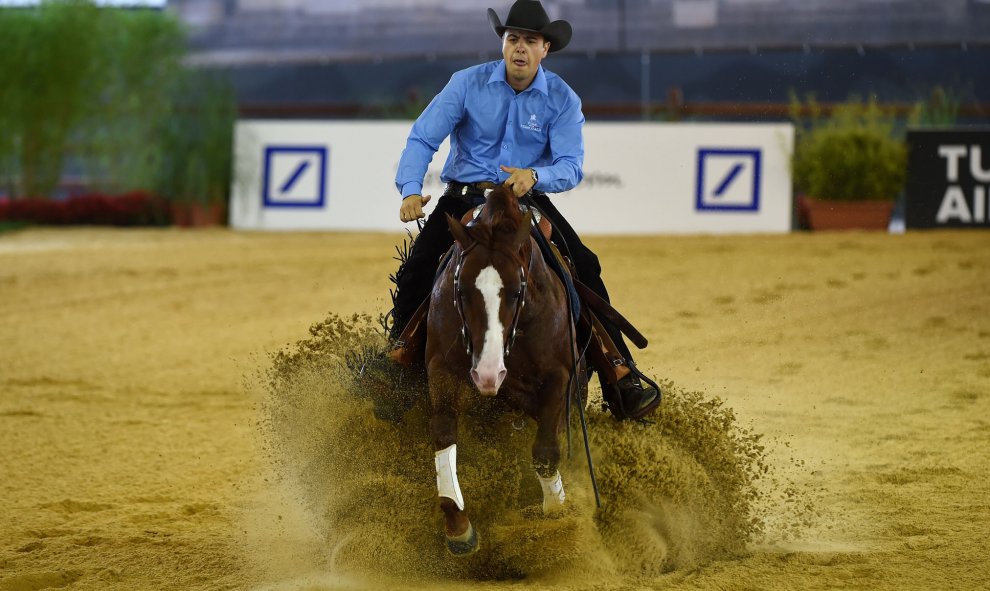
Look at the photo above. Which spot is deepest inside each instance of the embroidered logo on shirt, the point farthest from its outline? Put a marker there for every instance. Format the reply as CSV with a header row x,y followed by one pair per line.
x,y
532,124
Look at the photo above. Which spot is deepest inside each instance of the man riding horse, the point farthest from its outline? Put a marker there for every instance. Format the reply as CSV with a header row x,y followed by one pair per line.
x,y
510,122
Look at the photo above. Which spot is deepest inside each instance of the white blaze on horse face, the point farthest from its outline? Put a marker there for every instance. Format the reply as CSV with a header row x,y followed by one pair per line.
x,y
447,485
489,368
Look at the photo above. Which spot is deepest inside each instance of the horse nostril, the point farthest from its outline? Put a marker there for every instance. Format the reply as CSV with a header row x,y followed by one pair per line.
x,y
501,376
475,376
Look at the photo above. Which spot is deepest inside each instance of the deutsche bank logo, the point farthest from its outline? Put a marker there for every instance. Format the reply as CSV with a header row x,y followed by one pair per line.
x,y
294,176
728,180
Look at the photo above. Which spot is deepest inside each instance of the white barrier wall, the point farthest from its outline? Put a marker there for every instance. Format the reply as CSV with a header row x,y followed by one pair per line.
x,y
640,178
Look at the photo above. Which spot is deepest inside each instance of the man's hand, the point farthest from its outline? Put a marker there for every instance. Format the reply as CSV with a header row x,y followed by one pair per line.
x,y
412,207
520,179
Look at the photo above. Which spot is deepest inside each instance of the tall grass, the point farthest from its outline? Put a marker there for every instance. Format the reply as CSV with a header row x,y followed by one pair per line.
x,y
100,94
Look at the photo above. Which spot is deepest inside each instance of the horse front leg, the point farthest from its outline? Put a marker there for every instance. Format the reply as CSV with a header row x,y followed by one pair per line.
x,y
462,539
546,449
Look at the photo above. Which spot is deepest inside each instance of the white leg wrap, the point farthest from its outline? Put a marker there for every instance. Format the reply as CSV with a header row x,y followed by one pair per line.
x,y
447,485
553,491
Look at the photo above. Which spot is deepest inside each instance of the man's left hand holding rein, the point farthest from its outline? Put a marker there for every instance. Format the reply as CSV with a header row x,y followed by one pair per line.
x,y
520,180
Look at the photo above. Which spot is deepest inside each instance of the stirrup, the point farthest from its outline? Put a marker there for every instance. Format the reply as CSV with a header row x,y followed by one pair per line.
x,y
612,395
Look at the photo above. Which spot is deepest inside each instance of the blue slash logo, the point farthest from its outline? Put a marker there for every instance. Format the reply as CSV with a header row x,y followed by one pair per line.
x,y
295,176
728,180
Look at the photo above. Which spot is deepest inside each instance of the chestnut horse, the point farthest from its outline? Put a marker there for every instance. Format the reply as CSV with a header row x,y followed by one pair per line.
x,y
497,296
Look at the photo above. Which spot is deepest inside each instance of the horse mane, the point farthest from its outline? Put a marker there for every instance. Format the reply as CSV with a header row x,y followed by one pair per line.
x,y
499,220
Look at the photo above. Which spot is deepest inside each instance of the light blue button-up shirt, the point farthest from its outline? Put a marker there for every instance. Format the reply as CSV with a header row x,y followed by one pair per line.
x,y
490,125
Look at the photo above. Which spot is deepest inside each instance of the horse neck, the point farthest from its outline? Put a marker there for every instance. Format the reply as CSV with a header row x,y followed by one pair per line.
x,y
539,269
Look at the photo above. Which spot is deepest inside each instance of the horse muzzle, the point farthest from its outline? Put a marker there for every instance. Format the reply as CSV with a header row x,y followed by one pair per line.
x,y
488,381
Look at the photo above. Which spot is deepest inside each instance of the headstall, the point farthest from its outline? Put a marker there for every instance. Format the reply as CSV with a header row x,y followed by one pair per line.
x,y
459,302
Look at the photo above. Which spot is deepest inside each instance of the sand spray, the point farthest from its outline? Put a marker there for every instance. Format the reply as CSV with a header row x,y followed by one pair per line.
x,y
684,490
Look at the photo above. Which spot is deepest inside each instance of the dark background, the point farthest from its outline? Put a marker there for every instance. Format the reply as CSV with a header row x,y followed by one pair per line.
x,y
628,59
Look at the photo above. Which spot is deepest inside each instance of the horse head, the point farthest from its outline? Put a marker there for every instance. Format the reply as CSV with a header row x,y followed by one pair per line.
x,y
491,270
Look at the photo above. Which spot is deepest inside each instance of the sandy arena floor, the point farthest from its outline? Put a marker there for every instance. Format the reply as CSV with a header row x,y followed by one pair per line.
x,y
130,402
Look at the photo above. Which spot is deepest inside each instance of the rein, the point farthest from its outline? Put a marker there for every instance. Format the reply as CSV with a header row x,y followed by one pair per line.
x,y
459,302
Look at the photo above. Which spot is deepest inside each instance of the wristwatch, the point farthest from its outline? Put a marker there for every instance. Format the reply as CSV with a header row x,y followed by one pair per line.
x,y
536,177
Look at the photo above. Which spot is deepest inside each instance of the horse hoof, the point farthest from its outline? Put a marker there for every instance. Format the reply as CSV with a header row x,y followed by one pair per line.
x,y
464,544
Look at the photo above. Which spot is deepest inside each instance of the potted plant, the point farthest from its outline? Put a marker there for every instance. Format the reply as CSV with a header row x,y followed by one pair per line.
x,y
849,167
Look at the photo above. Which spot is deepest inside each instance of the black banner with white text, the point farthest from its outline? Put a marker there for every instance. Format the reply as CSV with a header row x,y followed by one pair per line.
x,y
948,178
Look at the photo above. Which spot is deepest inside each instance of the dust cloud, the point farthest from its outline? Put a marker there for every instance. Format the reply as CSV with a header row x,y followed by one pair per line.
x,y
678,492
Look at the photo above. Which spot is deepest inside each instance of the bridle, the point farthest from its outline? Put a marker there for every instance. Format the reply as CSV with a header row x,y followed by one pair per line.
x,y
459,301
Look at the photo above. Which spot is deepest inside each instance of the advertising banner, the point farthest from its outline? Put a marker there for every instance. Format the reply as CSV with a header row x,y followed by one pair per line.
x,y
683,178
318,175
948,178
639,178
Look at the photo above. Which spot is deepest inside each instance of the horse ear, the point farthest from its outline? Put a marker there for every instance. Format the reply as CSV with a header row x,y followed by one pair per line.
x,y
524,229
458,231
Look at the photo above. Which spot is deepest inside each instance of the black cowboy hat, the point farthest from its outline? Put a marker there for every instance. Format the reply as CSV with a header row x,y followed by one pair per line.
x,y
528,15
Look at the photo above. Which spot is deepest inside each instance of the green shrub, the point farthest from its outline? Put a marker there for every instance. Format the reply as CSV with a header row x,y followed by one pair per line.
x,y
853,155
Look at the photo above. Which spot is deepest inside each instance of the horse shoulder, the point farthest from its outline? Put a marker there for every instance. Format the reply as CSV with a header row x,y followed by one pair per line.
x,y
551,289
545,325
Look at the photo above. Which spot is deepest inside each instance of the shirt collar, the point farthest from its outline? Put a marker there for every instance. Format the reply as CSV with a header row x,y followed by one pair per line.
x,y
538,83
